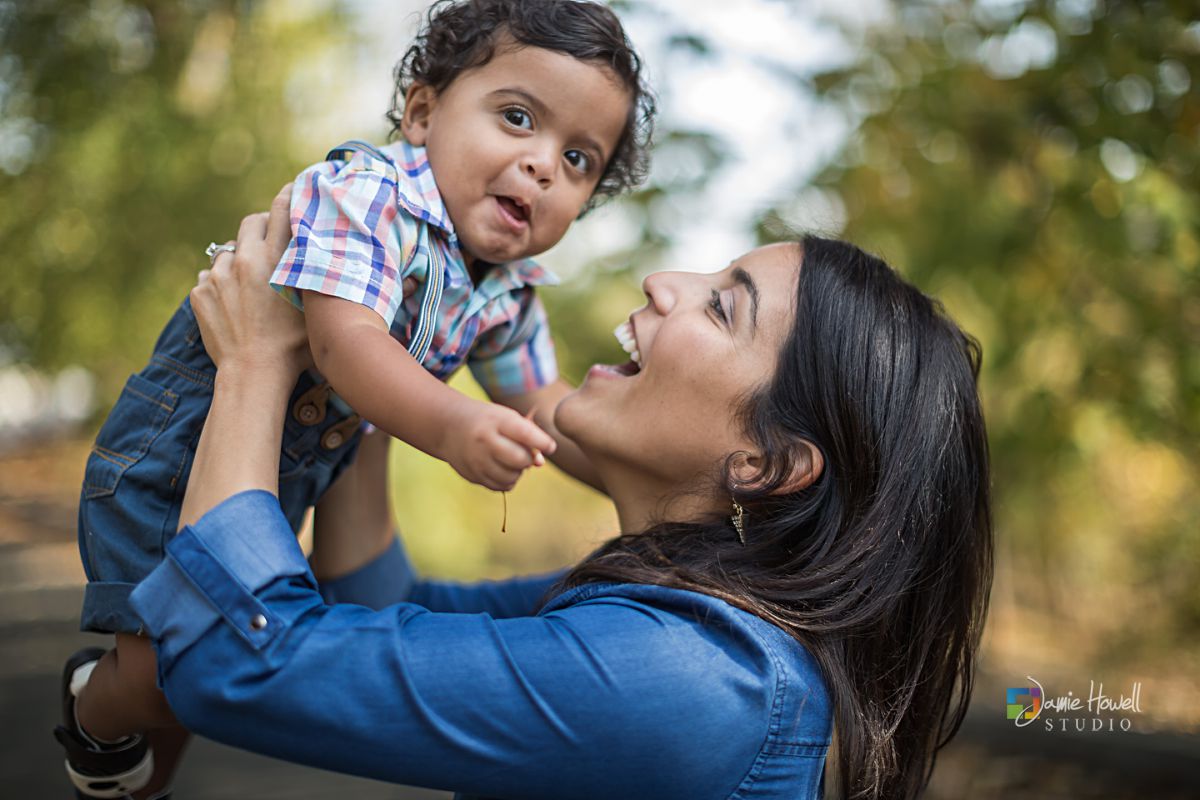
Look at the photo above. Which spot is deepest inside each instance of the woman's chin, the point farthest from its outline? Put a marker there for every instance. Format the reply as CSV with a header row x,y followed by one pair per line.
x,y
566,417
583,417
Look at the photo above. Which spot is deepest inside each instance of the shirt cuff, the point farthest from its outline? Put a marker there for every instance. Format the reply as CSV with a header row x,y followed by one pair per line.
x,y
213,570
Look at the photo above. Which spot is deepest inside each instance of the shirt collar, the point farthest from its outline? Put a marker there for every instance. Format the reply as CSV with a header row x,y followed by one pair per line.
x,y
416,188
507,278
524,272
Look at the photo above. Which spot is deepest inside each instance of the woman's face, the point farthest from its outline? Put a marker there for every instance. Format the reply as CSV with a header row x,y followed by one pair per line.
x,y
705,342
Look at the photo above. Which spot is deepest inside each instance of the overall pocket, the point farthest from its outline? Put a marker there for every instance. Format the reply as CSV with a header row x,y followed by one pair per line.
x,y
141,413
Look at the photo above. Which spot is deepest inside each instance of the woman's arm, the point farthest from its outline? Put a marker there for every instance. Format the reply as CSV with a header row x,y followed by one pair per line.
x,y
358,558
257,341
660,694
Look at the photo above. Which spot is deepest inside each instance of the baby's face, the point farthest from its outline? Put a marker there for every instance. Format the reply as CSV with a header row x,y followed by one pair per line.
x,y
517,146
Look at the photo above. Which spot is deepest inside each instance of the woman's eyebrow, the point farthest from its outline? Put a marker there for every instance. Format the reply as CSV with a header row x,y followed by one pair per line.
x,y
741,276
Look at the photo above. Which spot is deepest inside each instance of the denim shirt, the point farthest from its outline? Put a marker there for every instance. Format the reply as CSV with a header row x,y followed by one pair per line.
x,y
609,691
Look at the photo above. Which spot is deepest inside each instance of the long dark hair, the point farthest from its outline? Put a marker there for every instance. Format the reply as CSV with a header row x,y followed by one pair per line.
x,y
882,566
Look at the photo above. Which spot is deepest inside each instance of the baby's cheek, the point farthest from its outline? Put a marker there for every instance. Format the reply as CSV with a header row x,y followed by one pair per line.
x,y
560,221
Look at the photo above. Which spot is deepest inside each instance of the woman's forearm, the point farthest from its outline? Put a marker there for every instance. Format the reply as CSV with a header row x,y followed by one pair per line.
x,y
239,447
257,341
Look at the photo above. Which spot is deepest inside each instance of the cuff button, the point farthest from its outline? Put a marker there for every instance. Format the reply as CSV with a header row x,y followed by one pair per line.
x,y
259,622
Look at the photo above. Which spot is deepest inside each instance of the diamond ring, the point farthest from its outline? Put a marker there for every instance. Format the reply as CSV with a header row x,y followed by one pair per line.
x,y
213,250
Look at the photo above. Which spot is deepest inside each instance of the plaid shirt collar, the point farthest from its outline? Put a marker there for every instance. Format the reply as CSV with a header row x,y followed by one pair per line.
x,y
417,189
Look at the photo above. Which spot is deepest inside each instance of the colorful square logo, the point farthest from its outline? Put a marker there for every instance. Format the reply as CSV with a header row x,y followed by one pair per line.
x,y
1024,700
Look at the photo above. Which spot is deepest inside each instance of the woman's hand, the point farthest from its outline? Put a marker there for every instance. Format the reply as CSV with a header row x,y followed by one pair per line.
x,y
244,322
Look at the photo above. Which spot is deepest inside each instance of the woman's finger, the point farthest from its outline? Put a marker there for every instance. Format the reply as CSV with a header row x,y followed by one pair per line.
x,y
279,225
202,276
252,229
222,263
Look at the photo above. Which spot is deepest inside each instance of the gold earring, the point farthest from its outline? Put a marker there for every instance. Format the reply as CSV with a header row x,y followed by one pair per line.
x,y
739,521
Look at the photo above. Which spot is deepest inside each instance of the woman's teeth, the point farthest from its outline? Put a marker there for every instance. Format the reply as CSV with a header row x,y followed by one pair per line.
x,y
624,334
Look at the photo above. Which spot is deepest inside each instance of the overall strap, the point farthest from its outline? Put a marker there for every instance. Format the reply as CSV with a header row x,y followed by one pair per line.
x,y
422,337
342,151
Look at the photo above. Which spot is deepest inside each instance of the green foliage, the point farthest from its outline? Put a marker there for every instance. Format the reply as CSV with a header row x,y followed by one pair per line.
x,y
1035,167
145,129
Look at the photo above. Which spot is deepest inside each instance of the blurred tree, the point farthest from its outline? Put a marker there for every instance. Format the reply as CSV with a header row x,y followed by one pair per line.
x,y
131,133
1035,166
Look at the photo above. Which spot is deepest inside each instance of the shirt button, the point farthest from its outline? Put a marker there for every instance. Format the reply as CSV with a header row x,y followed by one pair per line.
x,y
332,440
259,622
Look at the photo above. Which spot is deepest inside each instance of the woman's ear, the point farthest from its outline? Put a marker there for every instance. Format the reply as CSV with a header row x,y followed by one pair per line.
x,y
806,468
419,102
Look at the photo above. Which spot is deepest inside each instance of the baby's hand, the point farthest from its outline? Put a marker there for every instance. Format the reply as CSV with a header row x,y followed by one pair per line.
x,y
491,445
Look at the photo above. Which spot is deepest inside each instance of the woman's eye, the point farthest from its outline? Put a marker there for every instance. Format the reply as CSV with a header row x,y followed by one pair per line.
x,y
579,160
716,306
518,118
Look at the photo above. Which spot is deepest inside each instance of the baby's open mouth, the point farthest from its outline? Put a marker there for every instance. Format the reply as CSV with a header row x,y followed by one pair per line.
x,y
514,208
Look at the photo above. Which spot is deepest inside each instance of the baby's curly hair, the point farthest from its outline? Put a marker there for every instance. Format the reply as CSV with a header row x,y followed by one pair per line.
x,y
459,35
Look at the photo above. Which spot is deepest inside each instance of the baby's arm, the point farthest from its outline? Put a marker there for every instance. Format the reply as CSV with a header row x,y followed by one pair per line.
x,y
485,443
568,457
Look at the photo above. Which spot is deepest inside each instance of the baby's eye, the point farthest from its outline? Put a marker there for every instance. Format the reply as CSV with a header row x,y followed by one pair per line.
x,y
579,160
518,118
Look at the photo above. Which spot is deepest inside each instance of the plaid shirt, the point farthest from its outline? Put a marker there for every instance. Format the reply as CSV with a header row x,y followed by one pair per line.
x,y
362,226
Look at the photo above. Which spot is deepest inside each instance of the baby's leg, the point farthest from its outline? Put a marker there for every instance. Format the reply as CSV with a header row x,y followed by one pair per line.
x,y
121,697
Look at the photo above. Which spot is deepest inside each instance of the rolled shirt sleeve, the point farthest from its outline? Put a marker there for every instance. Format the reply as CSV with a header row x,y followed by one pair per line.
x,y
194,588
612,695
349,238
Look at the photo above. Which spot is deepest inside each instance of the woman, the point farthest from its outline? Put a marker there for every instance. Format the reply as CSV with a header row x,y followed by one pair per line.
x,y
800,473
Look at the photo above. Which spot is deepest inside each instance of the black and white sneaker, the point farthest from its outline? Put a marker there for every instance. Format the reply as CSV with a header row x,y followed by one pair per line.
x,y
97,769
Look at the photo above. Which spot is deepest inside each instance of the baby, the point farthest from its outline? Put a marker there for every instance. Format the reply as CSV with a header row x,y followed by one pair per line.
x,y
409,260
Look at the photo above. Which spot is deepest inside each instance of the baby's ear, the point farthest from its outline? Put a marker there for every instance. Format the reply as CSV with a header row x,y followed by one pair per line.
x,y
807,466
419,102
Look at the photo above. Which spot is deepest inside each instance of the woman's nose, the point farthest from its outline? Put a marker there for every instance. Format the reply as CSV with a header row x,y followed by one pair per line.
x,y
661,290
